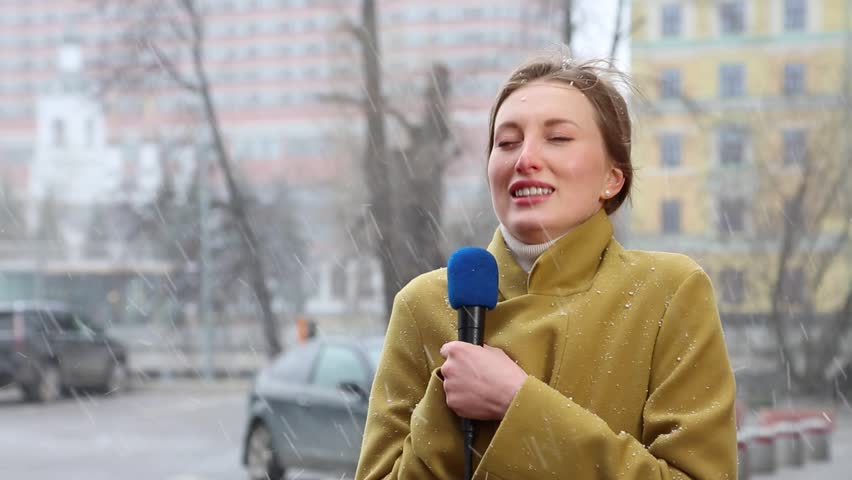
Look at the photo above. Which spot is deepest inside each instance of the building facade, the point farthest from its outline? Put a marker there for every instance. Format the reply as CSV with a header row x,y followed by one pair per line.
x,y
743,150
272,65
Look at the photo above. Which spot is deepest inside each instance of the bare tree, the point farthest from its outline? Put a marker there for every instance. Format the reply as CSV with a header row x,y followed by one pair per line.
x,y
567,22
404,184
418,189
808,291
375,161
180,23
794,221
617,31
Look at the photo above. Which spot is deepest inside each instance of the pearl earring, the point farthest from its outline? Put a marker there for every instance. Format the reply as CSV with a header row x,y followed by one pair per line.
x,y
606,193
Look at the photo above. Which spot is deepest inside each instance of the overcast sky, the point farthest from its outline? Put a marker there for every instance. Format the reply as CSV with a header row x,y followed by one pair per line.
x,y
595,22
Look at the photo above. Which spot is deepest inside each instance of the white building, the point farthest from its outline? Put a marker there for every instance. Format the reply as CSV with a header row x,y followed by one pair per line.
x,y
269,62
73,164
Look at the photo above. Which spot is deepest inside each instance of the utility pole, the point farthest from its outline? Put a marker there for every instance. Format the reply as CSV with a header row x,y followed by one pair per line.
x,y
204,270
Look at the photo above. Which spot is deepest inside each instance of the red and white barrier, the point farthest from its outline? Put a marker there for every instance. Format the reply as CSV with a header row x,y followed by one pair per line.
x,y
783,438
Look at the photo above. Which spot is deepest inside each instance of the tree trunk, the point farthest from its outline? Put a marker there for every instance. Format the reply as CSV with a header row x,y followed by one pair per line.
x,y
236,205
567,22
421,185
375,163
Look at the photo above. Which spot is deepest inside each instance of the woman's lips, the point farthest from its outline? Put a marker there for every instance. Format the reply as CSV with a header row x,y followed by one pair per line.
x,y
530,200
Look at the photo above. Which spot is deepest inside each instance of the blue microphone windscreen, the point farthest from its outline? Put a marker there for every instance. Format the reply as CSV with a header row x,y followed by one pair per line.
x,y
472,278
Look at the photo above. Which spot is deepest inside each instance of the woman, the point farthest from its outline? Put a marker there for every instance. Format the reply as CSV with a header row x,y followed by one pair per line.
x,y
599,362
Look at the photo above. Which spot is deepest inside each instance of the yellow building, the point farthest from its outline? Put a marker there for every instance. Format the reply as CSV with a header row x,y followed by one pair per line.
x,y
744,103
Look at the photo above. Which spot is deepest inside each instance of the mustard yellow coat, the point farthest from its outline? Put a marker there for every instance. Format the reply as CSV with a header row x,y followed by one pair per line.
x,y
629,375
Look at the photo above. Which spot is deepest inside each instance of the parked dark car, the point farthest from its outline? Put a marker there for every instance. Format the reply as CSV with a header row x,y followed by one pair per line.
x,y
47,349
307,410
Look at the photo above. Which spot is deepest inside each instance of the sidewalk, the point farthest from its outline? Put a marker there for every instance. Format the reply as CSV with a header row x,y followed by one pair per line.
x,y
193,384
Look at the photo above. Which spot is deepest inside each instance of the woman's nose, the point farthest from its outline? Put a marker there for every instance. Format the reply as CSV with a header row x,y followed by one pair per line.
x,y
529,159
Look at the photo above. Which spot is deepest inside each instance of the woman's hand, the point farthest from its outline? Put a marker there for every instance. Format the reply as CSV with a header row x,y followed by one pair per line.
x,y
479,382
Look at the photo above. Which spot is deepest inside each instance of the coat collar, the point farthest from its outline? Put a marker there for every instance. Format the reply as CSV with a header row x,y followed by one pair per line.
x,y
567,267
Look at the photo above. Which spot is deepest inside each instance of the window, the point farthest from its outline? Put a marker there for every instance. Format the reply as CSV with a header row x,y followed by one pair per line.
x,y
731,215
337,365
732,17
86,327
733,286
670,83
732,146
58,132
671,20
731,80
795,14
65,321
671,216
795,146
794,79
670,150
295,365
6,322
43,322
374,354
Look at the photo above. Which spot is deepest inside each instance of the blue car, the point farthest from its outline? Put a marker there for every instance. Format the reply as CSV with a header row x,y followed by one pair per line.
x,y
307,410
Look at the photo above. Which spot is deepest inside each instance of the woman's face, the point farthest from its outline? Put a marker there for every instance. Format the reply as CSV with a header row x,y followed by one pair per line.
x,y
548,170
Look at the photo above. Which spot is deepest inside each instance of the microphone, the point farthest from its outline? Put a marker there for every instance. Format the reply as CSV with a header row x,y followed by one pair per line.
x,y
472,289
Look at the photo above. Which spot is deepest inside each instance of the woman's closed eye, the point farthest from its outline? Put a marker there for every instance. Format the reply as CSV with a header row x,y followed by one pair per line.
x,y
560,139
507,143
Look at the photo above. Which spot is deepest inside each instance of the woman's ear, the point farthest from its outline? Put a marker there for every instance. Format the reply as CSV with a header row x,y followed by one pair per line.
x,y
613,184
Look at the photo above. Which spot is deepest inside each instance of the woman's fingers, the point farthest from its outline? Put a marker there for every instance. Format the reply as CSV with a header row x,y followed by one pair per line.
x,y
479,382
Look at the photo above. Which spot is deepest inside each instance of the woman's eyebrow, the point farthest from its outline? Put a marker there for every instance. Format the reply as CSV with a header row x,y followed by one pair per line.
x,y
505,125
547,123
556,121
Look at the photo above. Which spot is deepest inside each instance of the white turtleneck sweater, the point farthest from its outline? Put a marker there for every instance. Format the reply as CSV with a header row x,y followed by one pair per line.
x,y
525,254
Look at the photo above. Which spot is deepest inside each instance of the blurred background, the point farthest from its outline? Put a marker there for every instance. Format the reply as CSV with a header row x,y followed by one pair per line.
x,y
209,183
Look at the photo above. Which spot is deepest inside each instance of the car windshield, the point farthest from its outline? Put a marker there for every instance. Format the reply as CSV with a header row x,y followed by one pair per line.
x,y
374,353
6,322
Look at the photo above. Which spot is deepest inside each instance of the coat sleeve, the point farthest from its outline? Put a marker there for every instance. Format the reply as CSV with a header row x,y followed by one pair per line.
x,y
410,431
688,429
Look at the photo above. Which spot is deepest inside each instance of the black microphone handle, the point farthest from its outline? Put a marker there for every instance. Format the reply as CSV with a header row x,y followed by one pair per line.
x,y
471,324
471,327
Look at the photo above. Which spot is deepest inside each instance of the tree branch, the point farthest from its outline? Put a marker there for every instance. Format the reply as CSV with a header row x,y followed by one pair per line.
x,y
400,117
616,34
166,64
358,32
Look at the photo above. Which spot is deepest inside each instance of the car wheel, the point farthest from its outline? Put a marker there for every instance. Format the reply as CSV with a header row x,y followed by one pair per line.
x,y
261,459
117,380
48,387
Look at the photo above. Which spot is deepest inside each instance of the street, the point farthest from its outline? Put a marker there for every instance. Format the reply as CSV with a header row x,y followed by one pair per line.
x,y
188,430
182,430
170,432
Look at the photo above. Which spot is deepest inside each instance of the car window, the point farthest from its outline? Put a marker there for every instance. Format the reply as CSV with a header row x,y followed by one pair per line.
x,y
66,322
374,354
295,364
337,365
84,326
6,323
42,321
